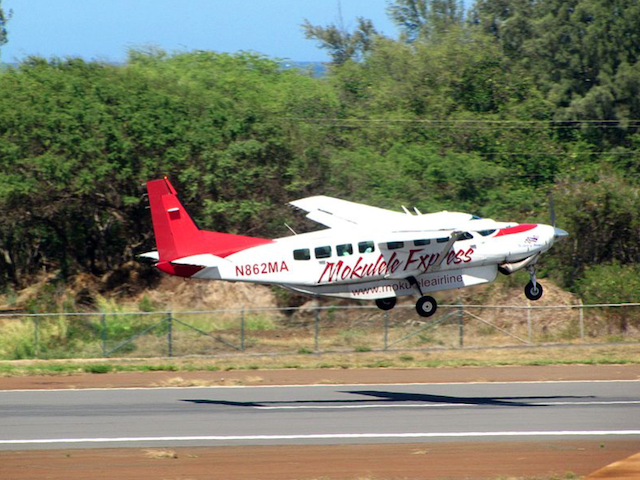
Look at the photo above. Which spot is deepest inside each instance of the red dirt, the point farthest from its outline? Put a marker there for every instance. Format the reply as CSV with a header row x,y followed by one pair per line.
x,y
478,460
407,461
327,376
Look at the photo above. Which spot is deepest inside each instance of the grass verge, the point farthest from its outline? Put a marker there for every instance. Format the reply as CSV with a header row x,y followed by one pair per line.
x,y
622,354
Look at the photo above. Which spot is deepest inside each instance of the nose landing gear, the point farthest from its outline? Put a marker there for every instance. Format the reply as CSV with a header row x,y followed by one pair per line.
x,y
533,290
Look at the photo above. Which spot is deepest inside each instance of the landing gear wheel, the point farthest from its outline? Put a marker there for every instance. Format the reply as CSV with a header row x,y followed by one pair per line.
x,y
386,303
426,306
533,292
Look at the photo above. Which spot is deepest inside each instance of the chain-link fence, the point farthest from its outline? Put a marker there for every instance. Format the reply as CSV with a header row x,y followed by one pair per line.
x,y
308,330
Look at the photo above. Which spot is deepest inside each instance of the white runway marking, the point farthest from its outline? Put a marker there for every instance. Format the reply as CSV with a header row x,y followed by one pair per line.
x,y
330,436
437,405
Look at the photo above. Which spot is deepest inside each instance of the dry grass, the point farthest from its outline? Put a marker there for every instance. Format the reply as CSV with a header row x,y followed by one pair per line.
x,y
195,382
181,382
160,453
176,294
561,355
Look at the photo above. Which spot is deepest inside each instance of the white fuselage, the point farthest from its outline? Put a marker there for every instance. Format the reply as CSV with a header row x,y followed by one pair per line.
x,y
370,263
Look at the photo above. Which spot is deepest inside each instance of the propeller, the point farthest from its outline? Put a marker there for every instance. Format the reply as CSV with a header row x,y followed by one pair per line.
x,y
558,232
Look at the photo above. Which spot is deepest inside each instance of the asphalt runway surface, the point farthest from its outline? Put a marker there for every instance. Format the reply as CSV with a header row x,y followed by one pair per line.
x,y
321,415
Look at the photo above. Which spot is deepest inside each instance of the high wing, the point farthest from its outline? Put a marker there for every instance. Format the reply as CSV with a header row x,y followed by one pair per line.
x,y
342,214
336,213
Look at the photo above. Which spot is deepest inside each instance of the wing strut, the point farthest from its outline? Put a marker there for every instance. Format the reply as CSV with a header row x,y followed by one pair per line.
x,y
443,253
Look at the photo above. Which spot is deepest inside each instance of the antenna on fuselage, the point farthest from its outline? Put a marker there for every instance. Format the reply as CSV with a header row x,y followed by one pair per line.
x,y
290,229
405,210
418,212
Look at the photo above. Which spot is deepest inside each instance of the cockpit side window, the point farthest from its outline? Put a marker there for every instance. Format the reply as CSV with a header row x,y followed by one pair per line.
x,y
486,233
465,236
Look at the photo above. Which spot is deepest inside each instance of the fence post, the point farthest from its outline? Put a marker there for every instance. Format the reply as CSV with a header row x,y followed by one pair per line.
x,y
460,325
581,321
386,329
242,330
36,347
317,330
170,335
103,334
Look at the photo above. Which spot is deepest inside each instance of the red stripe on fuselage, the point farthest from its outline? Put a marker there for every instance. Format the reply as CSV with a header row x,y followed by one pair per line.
x,y
525,227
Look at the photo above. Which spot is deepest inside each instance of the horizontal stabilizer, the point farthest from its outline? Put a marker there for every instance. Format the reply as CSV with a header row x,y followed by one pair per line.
x,y
150,256
202,260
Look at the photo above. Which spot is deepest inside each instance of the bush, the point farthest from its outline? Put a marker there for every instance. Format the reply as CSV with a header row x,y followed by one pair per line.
x,y
612,283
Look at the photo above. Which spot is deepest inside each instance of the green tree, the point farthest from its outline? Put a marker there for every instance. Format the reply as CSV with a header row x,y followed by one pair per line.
x,y
341,44
602,215
78,140
4,19
425,18
585,54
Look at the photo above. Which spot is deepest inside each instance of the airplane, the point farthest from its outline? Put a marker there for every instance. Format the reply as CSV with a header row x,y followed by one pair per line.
x,y
366,253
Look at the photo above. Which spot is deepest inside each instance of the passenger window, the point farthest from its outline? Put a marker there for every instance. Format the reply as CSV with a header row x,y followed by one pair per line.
x,y
486,233
302,254
442,240
394,245
343,250
466,236
420,243
366,247
323,252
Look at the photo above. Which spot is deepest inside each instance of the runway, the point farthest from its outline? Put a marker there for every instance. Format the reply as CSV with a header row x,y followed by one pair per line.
x,y
326,414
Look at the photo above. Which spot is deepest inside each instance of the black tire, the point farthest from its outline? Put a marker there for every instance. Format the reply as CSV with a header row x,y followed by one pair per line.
x,y
426,306
531,293
386,303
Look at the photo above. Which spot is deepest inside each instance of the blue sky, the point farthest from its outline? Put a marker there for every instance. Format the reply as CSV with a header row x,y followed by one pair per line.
x,y
105,29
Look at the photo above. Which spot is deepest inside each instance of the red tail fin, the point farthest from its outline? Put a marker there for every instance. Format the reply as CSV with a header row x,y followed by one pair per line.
x,y
177,236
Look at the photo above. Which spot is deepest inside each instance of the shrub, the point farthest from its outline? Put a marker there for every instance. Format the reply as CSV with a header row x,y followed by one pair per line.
x,y
612,283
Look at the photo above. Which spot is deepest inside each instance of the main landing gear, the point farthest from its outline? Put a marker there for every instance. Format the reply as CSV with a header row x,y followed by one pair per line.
x,y
533,290
425,306
386,303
